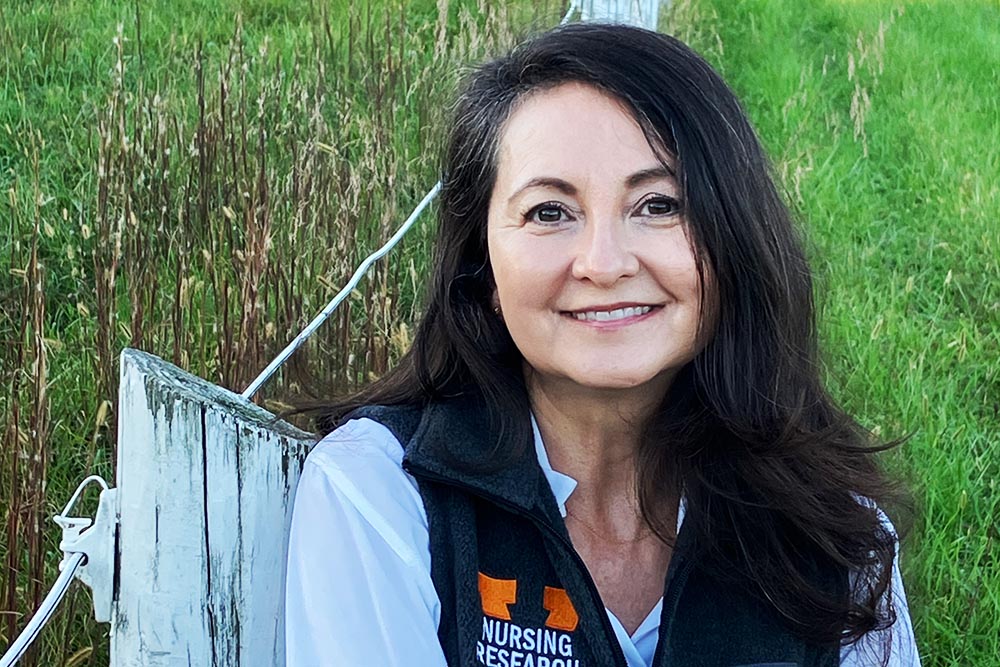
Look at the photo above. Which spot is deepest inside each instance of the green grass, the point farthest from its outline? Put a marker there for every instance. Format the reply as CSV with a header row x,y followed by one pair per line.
x,y
904,225
881,119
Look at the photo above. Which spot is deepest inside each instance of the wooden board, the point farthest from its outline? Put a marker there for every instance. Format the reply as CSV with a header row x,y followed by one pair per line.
x,y
642,13
206,482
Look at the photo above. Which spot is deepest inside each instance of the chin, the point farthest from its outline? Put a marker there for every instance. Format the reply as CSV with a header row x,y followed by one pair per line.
x,y
613,381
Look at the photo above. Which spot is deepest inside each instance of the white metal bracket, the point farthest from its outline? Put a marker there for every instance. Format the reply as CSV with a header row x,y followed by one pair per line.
x,y
95,539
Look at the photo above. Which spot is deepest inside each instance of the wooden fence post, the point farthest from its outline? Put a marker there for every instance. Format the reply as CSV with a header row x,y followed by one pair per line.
x,y
642,13
206,482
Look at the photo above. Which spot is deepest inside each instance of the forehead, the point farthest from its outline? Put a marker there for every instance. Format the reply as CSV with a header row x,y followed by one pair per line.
x,y
572,129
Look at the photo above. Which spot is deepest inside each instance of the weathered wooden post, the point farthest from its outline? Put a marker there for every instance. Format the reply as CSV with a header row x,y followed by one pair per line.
x,y
206,482
642,13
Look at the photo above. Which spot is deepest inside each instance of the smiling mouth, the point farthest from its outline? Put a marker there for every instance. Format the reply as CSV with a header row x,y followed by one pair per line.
x,y
610,315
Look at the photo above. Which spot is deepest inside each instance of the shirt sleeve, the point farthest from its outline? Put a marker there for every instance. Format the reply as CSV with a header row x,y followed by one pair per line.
x,y
903,647
358,589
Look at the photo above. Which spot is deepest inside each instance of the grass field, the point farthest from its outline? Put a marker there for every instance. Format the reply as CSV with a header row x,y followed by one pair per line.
x,y
196,178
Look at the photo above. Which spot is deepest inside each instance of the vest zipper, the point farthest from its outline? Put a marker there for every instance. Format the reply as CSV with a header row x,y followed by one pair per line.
x,y
609,631
670,598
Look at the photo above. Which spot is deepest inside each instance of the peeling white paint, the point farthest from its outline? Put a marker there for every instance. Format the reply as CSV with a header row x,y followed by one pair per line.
x,y
205,488
642,13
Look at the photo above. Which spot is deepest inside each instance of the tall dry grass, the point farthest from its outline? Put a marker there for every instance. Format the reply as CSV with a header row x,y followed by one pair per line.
x,y
220,200
26,417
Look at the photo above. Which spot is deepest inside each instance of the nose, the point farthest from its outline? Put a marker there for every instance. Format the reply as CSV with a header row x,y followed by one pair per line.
x,y
603,254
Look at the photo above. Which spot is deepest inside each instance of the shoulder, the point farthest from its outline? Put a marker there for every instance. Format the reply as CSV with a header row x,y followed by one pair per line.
x,y
358,467
356,444
358,562
899,637
886,534
884,520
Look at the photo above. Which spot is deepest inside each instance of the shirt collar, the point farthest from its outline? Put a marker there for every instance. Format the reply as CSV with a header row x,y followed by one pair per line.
x,y
563,485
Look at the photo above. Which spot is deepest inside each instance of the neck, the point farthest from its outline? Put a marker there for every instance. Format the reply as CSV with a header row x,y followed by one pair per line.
x,y
593,435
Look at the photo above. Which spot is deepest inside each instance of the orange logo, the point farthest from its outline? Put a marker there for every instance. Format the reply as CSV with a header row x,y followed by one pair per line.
x,y
562,615
498,594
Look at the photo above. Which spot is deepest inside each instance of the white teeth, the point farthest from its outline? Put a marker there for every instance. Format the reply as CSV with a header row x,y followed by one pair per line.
x,y
611,315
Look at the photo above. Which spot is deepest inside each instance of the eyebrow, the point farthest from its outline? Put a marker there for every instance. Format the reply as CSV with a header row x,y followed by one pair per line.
x,y
567,188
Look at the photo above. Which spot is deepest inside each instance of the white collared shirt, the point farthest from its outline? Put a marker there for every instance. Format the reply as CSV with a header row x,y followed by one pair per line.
x,y
359,589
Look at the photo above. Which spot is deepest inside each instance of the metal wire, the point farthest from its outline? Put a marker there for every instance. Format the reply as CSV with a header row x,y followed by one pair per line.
x,y
359,273
41,617
351,284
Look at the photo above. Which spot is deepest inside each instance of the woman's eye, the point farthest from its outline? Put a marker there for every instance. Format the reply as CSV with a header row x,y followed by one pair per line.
x,y
546,214
661,206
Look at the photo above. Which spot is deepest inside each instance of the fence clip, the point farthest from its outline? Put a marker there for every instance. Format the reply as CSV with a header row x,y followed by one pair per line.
x,y
95,539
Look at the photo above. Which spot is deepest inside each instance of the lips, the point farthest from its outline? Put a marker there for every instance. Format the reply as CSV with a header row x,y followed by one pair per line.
x,y
611,315
613,312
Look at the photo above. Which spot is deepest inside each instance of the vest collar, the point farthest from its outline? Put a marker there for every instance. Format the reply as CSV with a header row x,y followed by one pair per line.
x,y
460,427
456,433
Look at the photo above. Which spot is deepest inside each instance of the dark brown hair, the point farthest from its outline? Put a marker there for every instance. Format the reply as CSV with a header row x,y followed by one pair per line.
x,y
772,469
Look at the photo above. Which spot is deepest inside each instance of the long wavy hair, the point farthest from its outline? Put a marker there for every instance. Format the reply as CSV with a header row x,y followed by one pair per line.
x,y
775,474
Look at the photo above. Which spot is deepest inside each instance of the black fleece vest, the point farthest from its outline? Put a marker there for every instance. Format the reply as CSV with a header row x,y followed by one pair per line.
x,y
515,593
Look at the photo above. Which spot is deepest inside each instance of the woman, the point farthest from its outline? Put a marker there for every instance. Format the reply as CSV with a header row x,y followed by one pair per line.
x,y
609,443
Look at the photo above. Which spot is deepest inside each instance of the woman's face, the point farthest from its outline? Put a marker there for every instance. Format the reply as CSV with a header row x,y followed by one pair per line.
x,y
595,277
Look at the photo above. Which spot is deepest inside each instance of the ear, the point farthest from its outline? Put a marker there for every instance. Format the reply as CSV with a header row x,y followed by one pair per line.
x,y
495,303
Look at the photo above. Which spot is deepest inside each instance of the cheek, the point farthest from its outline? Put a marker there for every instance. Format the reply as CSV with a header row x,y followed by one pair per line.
x,y
523,294
506,272
684,261
710,308
525,270
704,302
